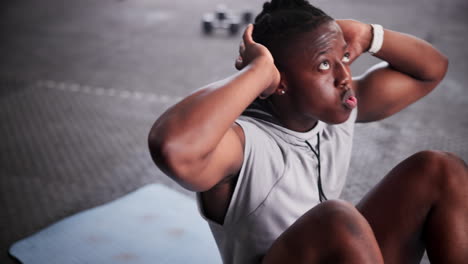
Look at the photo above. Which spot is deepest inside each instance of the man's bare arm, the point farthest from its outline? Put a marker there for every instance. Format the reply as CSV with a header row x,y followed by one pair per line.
x,y
413,68
196,142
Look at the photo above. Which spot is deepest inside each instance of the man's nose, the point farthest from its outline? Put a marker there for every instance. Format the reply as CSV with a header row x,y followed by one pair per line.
x,y
342,75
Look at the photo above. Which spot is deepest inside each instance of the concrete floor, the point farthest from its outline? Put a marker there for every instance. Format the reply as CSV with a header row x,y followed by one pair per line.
x,y
81,82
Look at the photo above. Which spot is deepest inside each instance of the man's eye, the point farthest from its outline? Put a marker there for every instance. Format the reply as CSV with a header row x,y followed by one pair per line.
x,y
324,65
346,57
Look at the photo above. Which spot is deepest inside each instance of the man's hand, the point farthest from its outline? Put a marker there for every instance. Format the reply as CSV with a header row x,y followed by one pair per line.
x,y
358,35
251,52
389,87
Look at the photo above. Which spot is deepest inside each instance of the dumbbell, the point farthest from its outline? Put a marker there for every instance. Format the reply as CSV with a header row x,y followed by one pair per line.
x,y
210,22
247,17
223,18
221,12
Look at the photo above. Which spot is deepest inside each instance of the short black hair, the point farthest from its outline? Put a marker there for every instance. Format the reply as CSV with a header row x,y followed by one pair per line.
x,y
282,21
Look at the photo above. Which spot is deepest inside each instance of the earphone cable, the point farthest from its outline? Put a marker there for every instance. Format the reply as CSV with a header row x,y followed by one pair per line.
x,y
322,196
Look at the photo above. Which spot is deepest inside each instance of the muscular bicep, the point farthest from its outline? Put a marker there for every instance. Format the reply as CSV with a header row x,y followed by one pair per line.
x,y
383,91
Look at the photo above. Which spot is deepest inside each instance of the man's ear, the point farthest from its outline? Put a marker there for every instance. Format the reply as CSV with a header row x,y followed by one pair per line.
x,y
283,85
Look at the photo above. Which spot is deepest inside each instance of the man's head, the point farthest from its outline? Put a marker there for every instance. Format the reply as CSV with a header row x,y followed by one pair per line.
x,y
311,54
282,22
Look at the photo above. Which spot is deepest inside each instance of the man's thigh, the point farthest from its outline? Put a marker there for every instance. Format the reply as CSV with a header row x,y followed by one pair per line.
x,y
332,232
398,206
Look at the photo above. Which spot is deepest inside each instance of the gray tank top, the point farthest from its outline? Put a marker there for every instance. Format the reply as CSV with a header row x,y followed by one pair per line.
x,y
278,183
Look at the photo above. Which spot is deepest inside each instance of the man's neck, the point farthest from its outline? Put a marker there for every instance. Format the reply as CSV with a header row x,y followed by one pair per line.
x,y
291,120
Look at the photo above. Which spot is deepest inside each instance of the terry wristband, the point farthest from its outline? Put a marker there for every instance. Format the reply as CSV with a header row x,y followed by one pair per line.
x,y
377,39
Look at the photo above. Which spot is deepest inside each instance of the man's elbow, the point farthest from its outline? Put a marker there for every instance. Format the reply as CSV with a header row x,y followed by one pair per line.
x,y
174,162
443,67
164,156
159,152
439,69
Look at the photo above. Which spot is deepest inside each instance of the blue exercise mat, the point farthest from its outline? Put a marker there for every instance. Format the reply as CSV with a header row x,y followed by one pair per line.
x,y
153,225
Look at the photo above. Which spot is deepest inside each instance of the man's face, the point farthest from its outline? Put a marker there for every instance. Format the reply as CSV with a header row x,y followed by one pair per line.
x,y
318,76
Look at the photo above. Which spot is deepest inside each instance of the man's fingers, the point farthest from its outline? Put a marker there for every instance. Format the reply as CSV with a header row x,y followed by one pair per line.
x,y
241,48
239,63
247,37
246,40
240,60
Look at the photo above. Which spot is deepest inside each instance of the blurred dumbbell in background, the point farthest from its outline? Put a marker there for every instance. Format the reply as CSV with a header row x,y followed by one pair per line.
x,y
224,19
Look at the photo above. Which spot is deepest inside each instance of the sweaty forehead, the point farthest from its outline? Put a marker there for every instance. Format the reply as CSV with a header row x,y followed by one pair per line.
x,y
323,39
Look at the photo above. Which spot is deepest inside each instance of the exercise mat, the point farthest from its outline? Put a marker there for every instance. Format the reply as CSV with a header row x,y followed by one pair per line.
x,y
151,225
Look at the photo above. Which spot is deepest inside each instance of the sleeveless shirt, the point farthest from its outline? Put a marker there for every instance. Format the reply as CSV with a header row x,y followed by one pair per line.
x,y
277,183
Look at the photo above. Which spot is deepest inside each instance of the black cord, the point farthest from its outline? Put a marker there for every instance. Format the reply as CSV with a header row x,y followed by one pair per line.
x,y
322,196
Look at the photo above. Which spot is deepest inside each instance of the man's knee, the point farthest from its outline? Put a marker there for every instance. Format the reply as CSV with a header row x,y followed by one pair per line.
x,y
348,234
447,169
332,232
342,219
439,158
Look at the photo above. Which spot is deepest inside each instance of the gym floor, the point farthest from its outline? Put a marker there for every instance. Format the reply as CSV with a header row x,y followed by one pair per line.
x,y
81,83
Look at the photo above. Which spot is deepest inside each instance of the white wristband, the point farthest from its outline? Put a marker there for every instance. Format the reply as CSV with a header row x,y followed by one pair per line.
x,y
377,39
